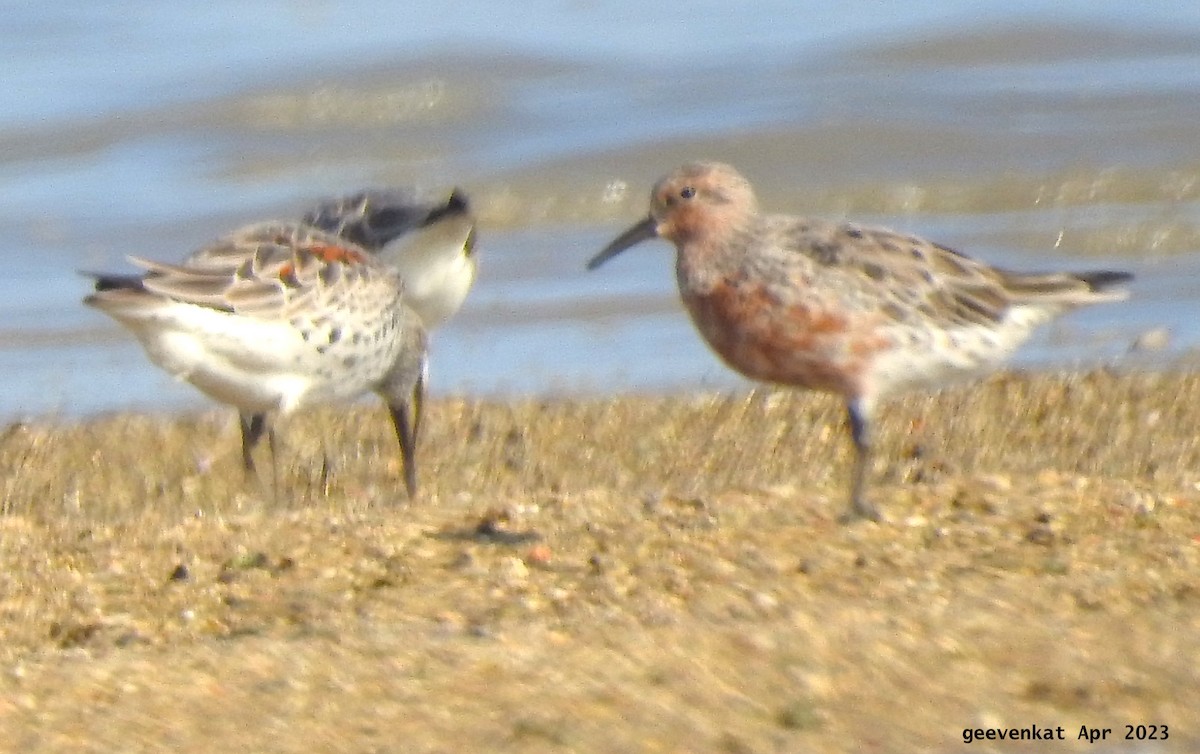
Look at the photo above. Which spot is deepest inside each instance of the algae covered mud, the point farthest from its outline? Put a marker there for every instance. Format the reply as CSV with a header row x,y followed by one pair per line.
x,y
637,574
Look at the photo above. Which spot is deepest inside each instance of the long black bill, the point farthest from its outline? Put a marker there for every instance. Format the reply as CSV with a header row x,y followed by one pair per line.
x,y
643,231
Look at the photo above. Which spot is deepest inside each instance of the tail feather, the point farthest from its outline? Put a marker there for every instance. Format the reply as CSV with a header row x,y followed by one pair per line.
x,y
1066,287
118,292
1102,279
108,281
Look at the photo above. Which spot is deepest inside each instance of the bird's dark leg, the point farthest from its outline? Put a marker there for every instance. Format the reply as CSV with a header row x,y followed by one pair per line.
x,y
252,431
860,432
274,461
253,427
418,406
407,433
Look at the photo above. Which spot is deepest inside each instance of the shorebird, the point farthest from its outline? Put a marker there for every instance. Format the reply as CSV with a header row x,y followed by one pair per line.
x,y
274,317
857,311
428,242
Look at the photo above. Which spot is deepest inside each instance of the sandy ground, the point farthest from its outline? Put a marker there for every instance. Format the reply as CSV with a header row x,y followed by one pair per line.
x,y
626,575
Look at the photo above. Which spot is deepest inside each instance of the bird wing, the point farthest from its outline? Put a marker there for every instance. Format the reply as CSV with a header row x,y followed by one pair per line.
x,y
264,270
899,275
375,217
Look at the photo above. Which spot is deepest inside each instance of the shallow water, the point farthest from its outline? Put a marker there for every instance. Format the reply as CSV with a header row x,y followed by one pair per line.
x,y
1035,135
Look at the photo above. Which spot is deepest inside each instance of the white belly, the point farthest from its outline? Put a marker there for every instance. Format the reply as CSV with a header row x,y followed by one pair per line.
x,y
254,365
934,357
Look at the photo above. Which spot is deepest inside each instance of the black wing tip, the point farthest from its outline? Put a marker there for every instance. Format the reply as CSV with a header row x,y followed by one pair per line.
x,y
110,281
456,204
1102,279
388,197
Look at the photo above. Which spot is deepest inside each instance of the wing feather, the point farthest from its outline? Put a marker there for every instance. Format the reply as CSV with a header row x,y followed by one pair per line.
x,y
920,278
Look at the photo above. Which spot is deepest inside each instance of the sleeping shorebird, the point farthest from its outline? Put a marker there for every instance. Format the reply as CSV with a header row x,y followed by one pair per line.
x,y
274,317
428,242
857,311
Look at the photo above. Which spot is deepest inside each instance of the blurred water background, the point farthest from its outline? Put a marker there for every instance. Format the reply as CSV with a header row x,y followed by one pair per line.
x,y
1031,134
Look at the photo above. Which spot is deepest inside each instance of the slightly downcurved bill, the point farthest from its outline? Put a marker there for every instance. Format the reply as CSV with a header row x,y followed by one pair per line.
x,y
643,231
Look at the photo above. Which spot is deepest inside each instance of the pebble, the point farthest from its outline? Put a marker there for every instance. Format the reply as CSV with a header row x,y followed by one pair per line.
x,y
994,482
1142,503
764,602
539,555
513,571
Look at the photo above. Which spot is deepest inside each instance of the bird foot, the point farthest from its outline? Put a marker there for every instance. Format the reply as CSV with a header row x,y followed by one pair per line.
x,y
860,510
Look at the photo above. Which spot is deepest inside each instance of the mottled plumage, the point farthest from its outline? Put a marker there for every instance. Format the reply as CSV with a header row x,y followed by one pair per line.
x,y
277,316
857,311
429,243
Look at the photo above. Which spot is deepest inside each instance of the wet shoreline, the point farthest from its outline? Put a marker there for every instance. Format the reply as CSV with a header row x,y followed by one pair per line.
x,y
961,128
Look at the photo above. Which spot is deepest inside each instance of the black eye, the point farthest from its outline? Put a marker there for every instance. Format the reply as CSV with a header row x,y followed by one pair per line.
x,y
687,192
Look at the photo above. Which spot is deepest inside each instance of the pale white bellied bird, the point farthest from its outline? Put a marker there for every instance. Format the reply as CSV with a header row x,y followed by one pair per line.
x,y
274,317
428,241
